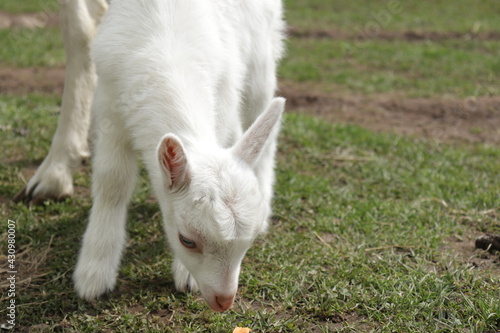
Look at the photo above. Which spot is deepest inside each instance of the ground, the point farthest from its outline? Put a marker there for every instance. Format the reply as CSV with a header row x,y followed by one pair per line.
x,y
452,119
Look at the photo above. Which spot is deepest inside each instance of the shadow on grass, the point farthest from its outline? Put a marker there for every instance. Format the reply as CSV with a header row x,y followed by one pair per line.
x,y
48,239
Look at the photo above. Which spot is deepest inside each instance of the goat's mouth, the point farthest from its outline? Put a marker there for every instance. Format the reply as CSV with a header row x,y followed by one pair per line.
x,y
221,303
218,301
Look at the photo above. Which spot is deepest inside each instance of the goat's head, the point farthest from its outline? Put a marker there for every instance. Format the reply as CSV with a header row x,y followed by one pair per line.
x,y
215,206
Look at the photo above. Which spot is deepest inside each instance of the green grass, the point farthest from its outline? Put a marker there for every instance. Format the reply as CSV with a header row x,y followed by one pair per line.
x,y
26,47
394,15
465,68
371,198
364,223
29,6
457,67
24,138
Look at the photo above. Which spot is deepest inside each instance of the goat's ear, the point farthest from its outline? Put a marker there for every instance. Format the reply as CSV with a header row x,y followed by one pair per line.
x,y
173,162
262,132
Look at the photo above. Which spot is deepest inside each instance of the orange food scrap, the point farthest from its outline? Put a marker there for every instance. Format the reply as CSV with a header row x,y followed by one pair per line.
x,y
242,330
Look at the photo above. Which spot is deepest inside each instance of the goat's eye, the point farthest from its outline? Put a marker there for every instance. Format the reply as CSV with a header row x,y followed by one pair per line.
x,y
190,244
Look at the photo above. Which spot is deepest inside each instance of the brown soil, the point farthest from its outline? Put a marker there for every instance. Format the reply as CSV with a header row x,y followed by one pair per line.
x,y
28,20
393,35
441,119
464,250
20,81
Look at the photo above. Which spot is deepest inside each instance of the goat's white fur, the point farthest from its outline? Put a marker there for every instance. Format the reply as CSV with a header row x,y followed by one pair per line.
x,y
183,85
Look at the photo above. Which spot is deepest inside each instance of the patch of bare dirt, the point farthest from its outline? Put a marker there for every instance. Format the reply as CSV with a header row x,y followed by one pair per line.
x,y
443,119
361,36
28,20
20,81
466,251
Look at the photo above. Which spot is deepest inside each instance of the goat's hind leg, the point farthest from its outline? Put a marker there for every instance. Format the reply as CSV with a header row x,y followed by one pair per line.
x,y
53,179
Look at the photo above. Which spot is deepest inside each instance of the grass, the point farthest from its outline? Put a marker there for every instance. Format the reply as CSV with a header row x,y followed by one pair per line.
x,y
355,208
29,6
371,231
465,68
23,45
394,15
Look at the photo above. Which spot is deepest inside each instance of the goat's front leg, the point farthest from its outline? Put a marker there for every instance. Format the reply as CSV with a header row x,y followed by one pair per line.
x,y
114,176
53,179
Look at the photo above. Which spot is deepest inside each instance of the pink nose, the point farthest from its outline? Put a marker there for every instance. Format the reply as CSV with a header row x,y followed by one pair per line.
x,y
224,302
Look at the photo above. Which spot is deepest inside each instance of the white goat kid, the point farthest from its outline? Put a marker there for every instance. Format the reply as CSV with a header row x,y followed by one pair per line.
x,y
183,84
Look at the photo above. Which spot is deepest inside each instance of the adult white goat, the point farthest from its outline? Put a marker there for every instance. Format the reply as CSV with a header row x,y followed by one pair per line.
x,y
182,84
